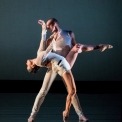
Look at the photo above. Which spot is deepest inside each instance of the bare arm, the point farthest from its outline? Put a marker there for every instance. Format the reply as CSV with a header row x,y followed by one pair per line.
x,y
42,45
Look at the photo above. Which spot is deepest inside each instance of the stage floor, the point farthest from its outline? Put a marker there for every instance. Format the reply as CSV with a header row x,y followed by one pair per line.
x,y
16,107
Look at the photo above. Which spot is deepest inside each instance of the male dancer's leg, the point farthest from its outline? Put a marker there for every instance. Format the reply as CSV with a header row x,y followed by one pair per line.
x,y
48,80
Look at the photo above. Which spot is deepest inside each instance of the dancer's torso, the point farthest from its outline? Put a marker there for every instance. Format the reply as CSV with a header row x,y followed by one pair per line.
x,y
63,43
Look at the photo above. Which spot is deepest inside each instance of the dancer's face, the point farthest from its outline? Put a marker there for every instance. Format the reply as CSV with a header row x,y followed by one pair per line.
x,y
51,26
30,65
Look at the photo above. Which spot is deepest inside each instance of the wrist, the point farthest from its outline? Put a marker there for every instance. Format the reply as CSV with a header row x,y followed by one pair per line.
x,y
44,32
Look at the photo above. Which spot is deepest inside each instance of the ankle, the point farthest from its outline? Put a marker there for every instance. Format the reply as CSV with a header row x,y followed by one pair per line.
x,y
82,118
30,119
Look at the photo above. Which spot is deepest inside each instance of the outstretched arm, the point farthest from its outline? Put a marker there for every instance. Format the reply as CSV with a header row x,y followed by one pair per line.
x,y
42,45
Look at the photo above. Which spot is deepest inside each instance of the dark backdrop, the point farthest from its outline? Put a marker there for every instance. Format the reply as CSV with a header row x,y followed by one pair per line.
x,y
93,22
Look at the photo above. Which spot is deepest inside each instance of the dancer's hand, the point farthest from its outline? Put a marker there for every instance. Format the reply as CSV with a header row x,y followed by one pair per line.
x,y
103,47
42,23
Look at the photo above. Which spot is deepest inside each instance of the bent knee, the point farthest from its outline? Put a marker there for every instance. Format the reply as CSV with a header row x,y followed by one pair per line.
x,y
72,92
